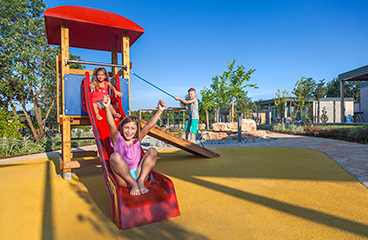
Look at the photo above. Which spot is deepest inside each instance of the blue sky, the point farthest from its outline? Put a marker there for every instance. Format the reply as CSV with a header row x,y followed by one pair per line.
x,y
187,43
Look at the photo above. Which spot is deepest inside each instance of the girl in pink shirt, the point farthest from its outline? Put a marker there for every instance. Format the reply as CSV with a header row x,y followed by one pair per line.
x,y
126,163
100,85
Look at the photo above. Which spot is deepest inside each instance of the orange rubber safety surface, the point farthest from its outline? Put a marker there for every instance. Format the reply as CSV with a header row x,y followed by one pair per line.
x,y
247,193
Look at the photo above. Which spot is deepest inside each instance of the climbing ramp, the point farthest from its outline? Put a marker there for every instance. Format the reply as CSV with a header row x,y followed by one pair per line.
x,y
129,211
179,142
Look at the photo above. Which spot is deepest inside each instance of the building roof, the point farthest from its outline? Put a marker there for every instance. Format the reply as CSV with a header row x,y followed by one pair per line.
x,y
358,74
272,101
90,28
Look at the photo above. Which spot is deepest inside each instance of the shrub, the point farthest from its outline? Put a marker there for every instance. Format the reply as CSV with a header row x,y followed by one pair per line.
x,y
23,146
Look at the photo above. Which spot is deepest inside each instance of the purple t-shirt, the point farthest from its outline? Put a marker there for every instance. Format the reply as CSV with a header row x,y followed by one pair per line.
x,y
131,154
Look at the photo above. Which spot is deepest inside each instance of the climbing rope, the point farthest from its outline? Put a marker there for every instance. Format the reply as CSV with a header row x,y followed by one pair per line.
x,y
190,114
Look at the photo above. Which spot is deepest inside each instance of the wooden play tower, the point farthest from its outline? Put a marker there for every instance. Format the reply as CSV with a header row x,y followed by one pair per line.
x,y
88,28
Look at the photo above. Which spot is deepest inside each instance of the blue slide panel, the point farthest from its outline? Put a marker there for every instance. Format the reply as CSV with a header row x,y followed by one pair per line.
x,y
72,91
124,88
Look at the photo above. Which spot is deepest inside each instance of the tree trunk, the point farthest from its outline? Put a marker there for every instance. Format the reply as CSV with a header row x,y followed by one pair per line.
x,y
218,114
30,124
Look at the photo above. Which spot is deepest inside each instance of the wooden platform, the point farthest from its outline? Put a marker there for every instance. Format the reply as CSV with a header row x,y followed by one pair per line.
x,y
176,141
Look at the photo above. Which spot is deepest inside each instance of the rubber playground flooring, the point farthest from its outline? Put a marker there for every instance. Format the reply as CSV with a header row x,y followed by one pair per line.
x,y
247,193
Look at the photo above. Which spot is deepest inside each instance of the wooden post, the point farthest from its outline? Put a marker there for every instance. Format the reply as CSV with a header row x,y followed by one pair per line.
x,y
114,59
126,61
66,135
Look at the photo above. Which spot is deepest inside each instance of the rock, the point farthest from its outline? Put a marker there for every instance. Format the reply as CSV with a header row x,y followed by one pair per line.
x,y
201,126
248,125
205,135
220,127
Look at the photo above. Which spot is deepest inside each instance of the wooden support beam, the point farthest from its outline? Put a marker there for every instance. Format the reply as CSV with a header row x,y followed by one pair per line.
x,y
75,120
84,154
82,163
83,138
57,86
66,137
81,72
69,165
126,61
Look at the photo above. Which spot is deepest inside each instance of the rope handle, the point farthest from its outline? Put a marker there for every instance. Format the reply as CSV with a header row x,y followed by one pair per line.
x,y
190,114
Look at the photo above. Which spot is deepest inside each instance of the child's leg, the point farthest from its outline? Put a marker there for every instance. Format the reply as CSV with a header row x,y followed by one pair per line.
x,y
145,167
96,107
187,129
186,135
114,113
192,137
122,174
193,129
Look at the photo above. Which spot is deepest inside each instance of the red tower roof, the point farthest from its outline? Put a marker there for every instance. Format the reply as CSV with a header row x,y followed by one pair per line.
x,y
90,28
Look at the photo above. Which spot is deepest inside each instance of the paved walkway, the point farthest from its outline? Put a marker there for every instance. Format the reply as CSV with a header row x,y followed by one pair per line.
x,y
353,157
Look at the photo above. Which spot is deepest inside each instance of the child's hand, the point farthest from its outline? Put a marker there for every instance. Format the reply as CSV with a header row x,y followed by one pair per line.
x,y
106,102
161,105
118,94
177,98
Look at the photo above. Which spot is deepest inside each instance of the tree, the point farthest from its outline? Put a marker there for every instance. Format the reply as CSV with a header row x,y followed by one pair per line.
x,y
319,92
351,89
9,128
236,83
280,101
303,91
245,104
230,87
206,103
27,62
218,89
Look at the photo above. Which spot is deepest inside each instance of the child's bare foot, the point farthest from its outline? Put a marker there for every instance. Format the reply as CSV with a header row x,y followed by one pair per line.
x,y
135,190
117,116
99,117
142,188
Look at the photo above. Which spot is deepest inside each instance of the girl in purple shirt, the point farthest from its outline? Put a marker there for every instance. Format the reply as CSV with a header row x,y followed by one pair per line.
x,y
126,162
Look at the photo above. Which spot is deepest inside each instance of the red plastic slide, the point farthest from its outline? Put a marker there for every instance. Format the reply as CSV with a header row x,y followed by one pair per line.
x,y
129,211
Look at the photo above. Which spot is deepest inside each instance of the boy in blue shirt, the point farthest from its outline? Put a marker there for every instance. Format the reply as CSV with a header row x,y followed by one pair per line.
x,y
192,123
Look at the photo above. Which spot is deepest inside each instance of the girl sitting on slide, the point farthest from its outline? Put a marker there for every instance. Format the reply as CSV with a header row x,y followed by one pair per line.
x,y
127,165
100,85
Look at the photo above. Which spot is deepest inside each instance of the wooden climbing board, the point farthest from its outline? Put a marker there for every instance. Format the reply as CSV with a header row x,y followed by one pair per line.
x,y
176,141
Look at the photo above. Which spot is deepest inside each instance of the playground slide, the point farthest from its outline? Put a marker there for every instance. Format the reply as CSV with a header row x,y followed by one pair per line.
x,y
129,211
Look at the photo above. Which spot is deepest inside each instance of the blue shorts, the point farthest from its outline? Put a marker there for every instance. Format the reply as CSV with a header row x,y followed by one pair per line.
x,y
100,102
134,173
192,126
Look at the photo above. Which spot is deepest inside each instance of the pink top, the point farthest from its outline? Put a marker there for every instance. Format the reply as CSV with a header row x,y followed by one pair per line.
x,y
99,92
131,154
